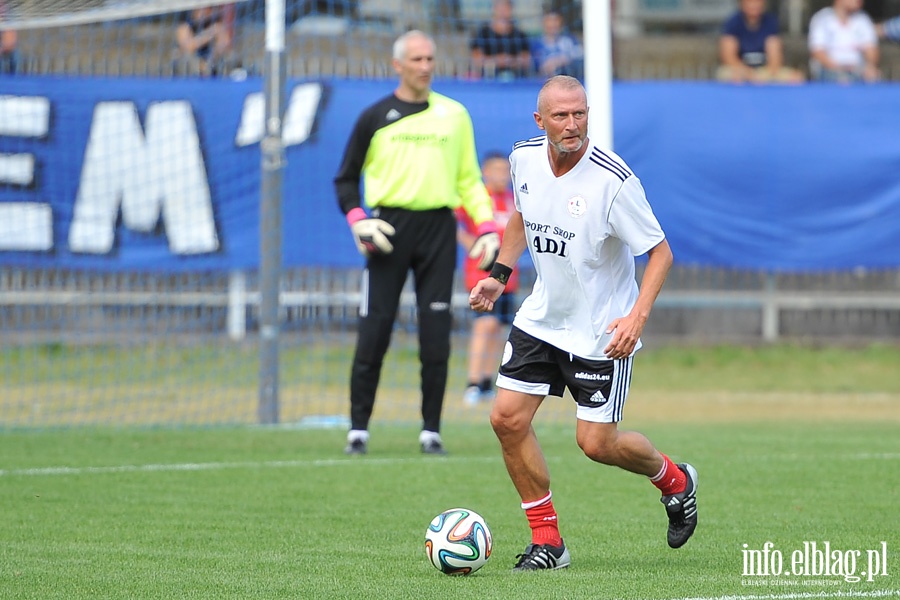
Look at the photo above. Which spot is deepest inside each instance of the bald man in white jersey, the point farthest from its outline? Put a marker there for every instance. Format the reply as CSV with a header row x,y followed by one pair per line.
x,y
583,216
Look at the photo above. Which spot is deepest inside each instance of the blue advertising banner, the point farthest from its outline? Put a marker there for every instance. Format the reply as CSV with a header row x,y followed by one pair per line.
x,y
164,175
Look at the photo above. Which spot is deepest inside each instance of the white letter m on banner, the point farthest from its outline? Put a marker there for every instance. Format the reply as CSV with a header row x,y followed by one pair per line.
x,y
160,174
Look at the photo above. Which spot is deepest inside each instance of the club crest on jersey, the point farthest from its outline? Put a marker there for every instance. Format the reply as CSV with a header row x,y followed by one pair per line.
x,y
577,206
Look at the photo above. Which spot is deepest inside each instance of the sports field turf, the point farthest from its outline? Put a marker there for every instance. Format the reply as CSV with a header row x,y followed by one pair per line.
x,y
250,512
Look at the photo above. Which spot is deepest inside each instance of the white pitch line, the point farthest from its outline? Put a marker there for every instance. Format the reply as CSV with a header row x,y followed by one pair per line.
x,y
326,462
214,466
793,456
806,595
878,455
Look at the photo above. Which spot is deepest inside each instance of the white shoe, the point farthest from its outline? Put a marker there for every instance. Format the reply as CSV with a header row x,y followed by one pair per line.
x,y
472,395
431,443
357,442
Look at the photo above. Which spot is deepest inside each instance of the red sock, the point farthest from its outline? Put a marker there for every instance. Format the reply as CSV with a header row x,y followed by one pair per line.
x,y
542,519
670,479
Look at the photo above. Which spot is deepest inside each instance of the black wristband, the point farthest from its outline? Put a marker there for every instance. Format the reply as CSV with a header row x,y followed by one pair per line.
x,y
501,272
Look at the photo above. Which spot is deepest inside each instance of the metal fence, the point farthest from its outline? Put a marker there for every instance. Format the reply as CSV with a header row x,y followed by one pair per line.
x,y
697,303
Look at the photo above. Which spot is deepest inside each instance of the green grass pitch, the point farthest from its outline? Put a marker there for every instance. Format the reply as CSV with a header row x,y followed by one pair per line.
x,y
270,513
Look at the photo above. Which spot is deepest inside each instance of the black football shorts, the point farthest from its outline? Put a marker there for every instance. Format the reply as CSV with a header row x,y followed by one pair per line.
x,y
533,366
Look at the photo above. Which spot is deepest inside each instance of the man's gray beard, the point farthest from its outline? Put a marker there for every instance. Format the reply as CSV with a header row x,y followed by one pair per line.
x,y
561,150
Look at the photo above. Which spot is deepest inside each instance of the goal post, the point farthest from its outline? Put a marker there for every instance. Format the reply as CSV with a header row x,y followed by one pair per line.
x,y
597,17
271,225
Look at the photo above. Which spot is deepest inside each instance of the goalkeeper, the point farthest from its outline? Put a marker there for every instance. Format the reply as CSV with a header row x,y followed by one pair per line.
x,y
415,150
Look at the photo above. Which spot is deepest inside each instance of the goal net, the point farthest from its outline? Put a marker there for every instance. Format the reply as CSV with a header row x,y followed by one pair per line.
x,y
25,14
129,211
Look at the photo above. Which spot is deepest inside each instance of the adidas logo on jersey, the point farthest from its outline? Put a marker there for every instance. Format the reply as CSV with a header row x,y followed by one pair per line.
x,y
392,115
524,188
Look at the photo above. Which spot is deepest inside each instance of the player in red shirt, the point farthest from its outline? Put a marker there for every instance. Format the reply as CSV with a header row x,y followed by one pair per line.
x,y
486,340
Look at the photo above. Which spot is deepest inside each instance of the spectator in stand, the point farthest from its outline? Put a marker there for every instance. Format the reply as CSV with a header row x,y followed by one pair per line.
x,y
750,47
499,48
556,52
843,44
486,339
8,41
889,30
205,40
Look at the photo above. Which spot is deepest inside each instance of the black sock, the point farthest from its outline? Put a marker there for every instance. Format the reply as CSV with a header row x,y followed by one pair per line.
x,y
486,385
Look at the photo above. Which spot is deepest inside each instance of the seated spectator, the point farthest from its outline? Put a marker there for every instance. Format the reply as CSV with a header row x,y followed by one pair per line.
x,y
889,30
750,47
499,48
205,38
8,40
843,44
556,52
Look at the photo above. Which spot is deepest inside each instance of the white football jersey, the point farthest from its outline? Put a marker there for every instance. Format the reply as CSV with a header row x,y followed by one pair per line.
x,y
583,231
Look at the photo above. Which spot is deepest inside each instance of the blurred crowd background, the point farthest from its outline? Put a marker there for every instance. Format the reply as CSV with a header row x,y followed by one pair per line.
x,y
652,39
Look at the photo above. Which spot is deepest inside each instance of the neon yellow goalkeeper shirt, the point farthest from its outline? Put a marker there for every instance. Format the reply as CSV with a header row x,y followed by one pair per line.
x,y
416,156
